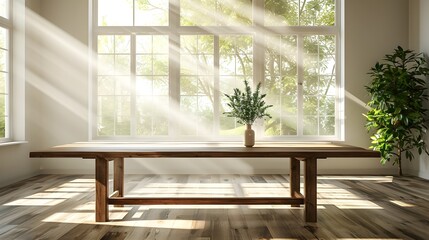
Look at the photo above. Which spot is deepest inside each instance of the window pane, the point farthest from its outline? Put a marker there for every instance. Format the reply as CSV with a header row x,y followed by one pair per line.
x,y
152,115
122,65
152,55
106,44
3,121
4,76
106,112
152,85
310,125
151,12
160,65
114,116
106,85
114,55
319,86
281,85
197,84
300,13
106,64
216,12
4,38
317,12
144,44
122,86
3,98
4,9
4,60
327,125
122,116
115,13
160,44
122,44
114,85
3,83
281,13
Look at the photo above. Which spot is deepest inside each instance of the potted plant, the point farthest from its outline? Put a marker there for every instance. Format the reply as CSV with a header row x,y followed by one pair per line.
x,y
397,114
246,107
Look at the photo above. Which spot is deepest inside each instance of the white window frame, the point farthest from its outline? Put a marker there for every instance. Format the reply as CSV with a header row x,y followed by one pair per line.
x,y
6,23
174,30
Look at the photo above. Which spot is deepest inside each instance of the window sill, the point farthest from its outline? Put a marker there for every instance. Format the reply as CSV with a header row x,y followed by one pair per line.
x,y
12,143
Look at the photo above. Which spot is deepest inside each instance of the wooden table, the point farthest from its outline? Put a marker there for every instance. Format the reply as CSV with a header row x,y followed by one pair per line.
x,y
308,153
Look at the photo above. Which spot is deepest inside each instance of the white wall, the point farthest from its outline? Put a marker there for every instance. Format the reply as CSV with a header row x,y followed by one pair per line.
x,y
58,78
372,29
419,41
14,162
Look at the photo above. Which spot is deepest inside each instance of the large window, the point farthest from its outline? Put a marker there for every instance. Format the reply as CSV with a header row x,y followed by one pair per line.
x,y
4,71
165,65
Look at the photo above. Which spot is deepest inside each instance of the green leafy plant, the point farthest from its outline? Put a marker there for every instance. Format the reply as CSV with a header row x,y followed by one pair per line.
x,y
247,106
397,114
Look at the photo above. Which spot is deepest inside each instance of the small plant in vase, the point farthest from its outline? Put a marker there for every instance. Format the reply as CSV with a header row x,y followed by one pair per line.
x,y
246,107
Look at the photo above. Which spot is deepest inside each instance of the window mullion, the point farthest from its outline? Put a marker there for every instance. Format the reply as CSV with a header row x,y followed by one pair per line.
x,y
300,100
258,52
258,70
339,70
115,91
216,91
93,42
258,14
133,100
174,66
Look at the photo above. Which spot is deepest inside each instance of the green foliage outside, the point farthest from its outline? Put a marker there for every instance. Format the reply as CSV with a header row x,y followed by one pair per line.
x,y
397,114
2,126
3,81
2,113
300,13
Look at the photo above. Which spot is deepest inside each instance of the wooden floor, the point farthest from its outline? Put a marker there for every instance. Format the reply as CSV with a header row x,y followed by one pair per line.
x,y
349,207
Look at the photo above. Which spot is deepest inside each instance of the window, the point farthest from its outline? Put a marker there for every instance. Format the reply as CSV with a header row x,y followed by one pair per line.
x,y
165,65
4,71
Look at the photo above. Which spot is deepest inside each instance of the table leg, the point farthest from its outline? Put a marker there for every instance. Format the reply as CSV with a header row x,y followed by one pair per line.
x,y
118,177
101,189
294,178
310,200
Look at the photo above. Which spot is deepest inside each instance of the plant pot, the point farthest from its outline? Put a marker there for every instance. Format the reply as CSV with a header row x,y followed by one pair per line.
x,y
249,136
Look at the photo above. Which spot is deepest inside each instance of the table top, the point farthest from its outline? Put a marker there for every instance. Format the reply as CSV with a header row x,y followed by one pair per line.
x,y
203,150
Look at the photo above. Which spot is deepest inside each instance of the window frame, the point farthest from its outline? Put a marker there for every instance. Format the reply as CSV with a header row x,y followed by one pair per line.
x,y
174,31
6,23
